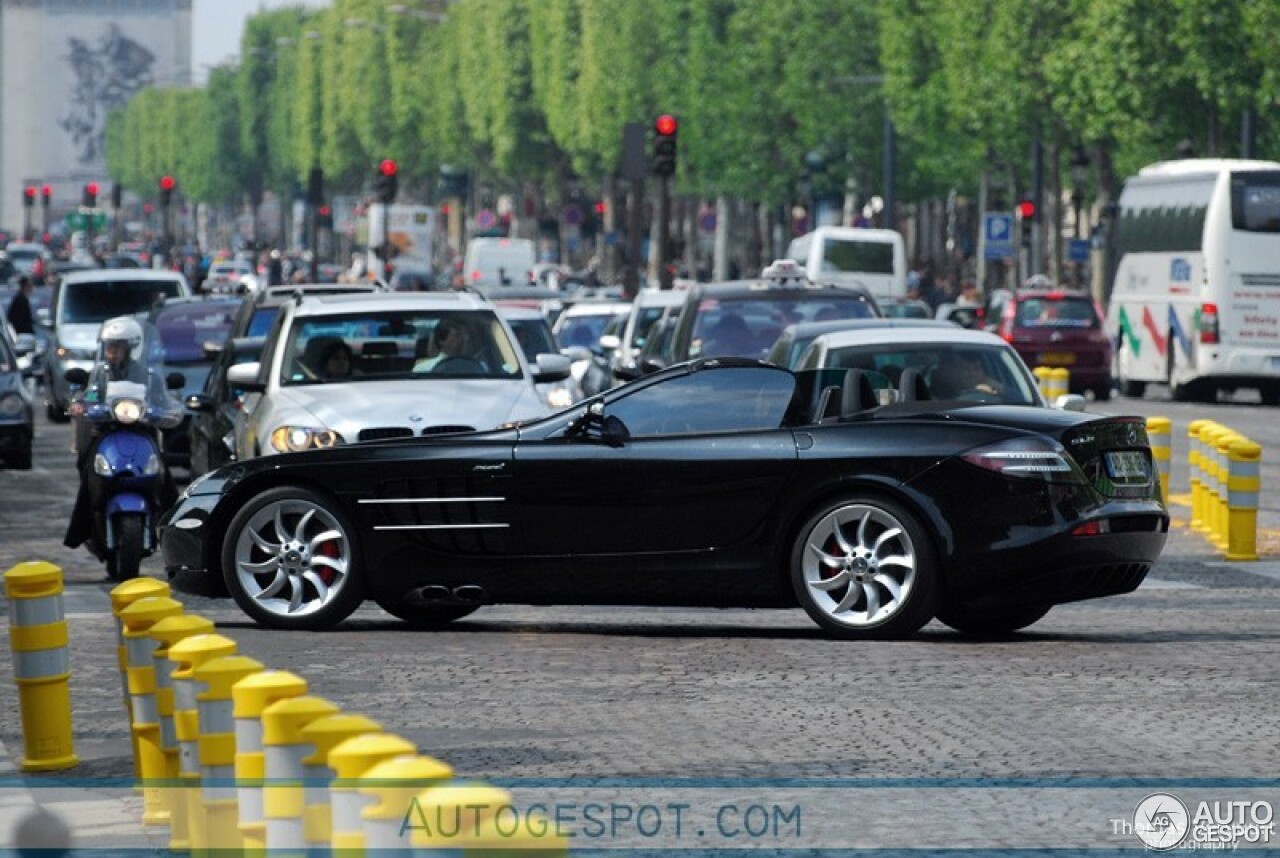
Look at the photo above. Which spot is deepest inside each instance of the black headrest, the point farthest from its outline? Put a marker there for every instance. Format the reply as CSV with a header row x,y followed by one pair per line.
x,y
857,395
912,386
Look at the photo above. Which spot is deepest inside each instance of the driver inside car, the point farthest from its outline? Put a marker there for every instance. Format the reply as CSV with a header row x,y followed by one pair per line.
x,y
964,374
451,341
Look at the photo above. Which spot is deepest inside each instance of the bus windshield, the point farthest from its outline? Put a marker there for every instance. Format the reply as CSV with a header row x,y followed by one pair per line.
x,y
1255,201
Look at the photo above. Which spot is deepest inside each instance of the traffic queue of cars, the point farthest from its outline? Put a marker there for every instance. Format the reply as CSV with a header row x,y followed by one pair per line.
x,y
779,445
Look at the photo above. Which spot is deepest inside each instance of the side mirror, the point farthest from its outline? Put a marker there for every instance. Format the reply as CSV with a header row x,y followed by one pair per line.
x,y
626,372
610,342
77,377
245,377
652,365
175,381
576,353
199,402
211,349
613,431
1069,402
24,344
550,367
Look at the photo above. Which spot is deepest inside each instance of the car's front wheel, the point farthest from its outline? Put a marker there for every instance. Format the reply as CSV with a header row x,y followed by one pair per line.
x,y
289,559
992,622
864,568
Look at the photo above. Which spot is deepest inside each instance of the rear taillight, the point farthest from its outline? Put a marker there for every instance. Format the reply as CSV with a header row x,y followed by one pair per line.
x,y
475,275
1209,324
38,270
1097,527
1027,458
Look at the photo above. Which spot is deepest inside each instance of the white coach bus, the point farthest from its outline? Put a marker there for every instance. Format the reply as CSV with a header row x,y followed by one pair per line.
x,y
1195,294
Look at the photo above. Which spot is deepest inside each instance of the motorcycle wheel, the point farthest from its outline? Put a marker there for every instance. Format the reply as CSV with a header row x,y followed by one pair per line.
x,y
127,556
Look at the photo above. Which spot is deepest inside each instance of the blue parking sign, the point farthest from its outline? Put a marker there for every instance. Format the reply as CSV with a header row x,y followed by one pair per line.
x,y
997,230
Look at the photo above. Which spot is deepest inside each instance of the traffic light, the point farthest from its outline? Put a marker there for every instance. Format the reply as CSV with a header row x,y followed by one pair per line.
x,y
664,145
117,195
1026,216
46,195
324,218
385,183
167,184
91,195
315,187
29,196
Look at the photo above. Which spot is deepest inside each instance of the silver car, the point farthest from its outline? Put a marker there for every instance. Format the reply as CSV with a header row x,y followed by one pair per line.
x,y
348,368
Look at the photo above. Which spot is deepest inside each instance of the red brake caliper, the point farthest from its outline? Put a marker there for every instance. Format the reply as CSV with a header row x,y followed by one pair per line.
x,y
327,573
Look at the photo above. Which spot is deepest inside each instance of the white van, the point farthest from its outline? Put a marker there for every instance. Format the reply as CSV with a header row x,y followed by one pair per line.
x,y
495,262
1195,286
854,256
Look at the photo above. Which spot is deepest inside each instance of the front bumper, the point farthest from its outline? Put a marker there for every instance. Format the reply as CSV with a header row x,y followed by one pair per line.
x,y
182,544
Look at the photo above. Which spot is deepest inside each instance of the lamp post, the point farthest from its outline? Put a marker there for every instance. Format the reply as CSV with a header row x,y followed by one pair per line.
x,y
1079,175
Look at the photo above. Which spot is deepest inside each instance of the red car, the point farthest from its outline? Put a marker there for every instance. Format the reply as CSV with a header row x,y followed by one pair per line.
x,y
1060,329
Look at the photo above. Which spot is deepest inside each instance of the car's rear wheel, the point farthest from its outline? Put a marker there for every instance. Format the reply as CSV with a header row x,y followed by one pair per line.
x,y
426,616
289,560
1102,392
21,459
864,568
992,622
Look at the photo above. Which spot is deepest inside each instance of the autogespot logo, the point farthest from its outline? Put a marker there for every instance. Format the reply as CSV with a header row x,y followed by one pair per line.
x,y
1161,821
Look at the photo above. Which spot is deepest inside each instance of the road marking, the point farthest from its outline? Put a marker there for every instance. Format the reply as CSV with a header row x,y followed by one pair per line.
x,y
1263,568
1165,584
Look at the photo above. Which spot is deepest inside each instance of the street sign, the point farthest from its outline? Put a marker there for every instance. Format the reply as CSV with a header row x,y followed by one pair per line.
x,y
572,215
486,219
997,233
1078,250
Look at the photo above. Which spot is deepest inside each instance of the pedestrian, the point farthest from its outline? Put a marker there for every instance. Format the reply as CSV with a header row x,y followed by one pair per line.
x,y
19,313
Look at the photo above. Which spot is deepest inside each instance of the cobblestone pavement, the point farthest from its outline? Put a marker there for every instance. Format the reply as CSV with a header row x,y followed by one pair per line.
x,y
1098,704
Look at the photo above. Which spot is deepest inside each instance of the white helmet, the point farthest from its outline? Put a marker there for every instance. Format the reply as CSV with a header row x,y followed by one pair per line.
x,y
1038,281
122,329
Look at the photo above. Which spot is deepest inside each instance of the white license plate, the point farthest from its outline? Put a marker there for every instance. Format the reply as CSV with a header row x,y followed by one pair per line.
x,y
1127,465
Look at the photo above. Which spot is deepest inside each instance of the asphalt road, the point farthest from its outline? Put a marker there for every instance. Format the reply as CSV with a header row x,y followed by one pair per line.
x,y
1045,740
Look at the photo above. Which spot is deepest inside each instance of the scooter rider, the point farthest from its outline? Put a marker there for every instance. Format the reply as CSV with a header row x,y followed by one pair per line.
x,y
120,342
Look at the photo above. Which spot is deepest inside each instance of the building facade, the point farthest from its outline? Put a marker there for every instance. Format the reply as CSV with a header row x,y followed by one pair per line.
x,y
64,66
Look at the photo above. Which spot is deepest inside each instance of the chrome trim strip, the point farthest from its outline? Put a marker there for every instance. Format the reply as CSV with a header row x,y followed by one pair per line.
x,y
429,500
438,526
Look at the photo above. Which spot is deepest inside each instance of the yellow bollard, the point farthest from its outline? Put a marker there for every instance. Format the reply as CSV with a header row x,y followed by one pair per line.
x,y
122,596
184,657
1244,485
508,834
217,748
41,665
1196,473
1222,445
1160,435
167,633
1209,477
1042,381
138,619
349,761
252,695
323,736
439,821
1059,380
283,800
388,789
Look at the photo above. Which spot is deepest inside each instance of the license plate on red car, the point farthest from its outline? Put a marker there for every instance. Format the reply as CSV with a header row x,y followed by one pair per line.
x,y
1128,465
1057,358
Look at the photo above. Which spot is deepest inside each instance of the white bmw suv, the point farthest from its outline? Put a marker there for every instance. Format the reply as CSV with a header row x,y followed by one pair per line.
x,y
342,369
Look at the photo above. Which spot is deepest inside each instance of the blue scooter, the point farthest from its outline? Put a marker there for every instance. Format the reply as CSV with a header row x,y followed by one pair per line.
x,y
118,412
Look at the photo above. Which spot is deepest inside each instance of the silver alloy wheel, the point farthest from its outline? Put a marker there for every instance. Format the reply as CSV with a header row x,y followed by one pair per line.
x,y
859,565
292,557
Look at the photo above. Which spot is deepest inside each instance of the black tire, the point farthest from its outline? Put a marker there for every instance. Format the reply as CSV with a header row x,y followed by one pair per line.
x,y
128,551
1270,394
992,622
289,561
830,582
1102,392
1133,389
54,413
426,616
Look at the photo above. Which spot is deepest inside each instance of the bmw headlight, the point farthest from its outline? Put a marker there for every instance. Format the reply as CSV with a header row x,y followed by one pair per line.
x,y
101,466
295,439
10,405
127,410
559,397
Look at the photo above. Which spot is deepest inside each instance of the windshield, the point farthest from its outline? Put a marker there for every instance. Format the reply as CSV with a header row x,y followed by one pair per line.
x,y
131,368
841,254
1056,313
748,327
263,319
186,328
949,370
534,336
99,300
404,344
584,330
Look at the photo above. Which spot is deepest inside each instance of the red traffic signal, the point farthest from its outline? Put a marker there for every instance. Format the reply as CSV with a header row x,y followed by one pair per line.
x,y
92,188
29,196
325,211
1026,209
388,167
167,183
600,207
665,125
90,196
46,194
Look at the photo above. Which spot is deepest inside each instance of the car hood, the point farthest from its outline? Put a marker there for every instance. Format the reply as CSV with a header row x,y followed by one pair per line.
x,y
78,335
414,405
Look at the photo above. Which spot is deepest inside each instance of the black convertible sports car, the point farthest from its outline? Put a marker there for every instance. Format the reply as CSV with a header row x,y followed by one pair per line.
x,y
719,482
